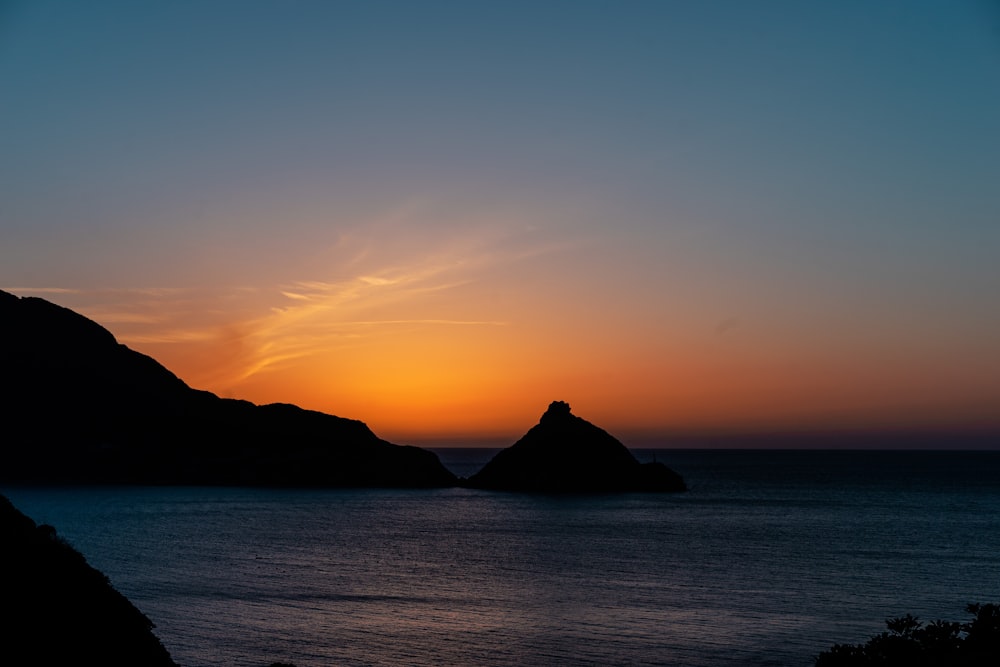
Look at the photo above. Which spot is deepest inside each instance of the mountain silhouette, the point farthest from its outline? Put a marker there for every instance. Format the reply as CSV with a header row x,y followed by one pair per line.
x,y
78,407
61,611
564,453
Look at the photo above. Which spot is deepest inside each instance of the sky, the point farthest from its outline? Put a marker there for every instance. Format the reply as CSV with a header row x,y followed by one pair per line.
x,y
683,218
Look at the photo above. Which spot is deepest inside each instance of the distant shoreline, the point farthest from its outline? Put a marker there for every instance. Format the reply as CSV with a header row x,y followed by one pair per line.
x,y
986,442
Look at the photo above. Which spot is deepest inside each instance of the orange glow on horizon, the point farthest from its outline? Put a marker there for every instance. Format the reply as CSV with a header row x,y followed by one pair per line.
x,y
472,335
431,385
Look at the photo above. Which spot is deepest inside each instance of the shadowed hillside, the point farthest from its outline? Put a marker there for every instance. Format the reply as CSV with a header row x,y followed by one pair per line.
x,y
58,610
564,453
79,407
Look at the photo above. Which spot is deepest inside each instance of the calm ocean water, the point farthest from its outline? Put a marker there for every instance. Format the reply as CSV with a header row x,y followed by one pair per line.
x,y
770,558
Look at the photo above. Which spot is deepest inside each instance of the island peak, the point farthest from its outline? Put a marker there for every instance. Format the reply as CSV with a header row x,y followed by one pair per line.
x,y
556,410
565,453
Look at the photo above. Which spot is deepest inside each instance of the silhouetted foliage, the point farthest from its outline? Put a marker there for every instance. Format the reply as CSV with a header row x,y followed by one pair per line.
x,y
938,644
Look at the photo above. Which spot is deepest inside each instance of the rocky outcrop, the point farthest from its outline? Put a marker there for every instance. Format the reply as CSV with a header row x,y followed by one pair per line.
x,y
58,610
79,407
564,453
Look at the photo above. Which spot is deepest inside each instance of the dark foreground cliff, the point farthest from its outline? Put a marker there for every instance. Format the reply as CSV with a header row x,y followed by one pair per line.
x,y
78,407
58,610
564,453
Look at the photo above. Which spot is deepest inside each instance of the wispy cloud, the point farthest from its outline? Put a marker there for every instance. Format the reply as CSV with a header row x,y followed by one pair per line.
x,y
372,290
109,317
461,323
27,291
169,336
375,280
317,316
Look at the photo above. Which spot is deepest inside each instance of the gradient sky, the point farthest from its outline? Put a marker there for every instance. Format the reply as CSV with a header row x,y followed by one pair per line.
x,y
680,217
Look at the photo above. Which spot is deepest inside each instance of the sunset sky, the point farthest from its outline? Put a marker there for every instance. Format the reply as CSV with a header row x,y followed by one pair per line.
x,y
437,217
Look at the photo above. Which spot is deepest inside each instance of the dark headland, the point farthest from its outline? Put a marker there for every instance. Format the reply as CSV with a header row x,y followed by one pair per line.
x,y
78,407
564,453
58,610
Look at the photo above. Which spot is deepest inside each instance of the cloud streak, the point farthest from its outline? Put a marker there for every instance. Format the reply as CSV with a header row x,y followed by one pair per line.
x,y
217,338
28,291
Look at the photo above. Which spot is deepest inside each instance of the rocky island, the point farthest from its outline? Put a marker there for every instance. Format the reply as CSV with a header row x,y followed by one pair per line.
x,y
81,408
564,453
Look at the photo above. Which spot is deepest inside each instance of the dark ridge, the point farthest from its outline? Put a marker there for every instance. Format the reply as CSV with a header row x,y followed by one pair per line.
x,y
564,453
78,407
58,610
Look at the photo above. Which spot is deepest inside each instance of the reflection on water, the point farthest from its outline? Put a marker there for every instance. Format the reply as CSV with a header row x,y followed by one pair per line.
x,y
771,557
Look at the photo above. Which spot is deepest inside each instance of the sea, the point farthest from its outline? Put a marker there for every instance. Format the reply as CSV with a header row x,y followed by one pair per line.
x,y
771,557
